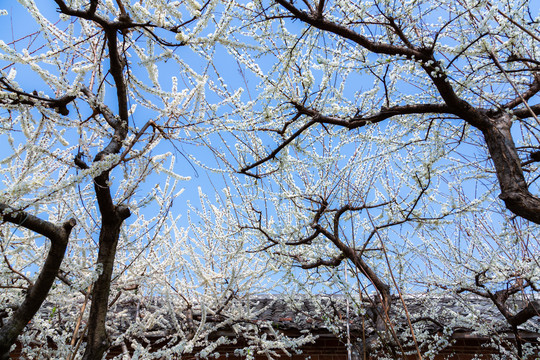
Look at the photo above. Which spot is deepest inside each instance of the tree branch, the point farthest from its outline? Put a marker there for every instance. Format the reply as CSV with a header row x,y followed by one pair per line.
x,y
533,89
321,23
385,113
273,154
36,294
333,262
526,113
112,215
59,104
531,310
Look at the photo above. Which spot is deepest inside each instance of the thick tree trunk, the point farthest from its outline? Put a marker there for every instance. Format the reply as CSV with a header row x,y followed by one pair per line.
x,y
514,189
112,218
97,342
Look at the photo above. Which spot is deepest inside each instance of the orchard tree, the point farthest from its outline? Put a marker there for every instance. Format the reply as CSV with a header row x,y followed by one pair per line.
x,y
93,139
398,138
373,149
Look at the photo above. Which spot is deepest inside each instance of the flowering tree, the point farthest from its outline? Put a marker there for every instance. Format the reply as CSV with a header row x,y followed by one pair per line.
x,y
90,132
383,149
400,138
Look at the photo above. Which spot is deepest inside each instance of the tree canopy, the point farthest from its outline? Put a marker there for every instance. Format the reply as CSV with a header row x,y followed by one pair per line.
x,y
373,149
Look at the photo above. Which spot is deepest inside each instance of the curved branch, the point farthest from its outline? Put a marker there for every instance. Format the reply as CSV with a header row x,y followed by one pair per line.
x,y
514,189
382,288
531,310
89,14
387,113
499,299
352,123
318,21
384,114
36,294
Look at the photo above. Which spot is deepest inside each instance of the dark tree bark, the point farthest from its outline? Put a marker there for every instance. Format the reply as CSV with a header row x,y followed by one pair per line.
x,y
529,309
112,218
112,215
514,189
36,294
97,342
495,124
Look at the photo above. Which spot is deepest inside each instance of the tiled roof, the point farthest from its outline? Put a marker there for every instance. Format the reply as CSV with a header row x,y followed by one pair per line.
x,y
320,313
442,324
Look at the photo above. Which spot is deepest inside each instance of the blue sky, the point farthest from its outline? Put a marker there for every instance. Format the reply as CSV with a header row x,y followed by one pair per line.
x,y
18,24
11,30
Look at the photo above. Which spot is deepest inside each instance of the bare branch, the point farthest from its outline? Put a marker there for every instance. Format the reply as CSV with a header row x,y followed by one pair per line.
x,y
273,154
528,112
